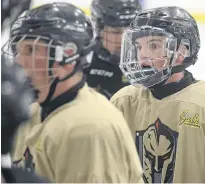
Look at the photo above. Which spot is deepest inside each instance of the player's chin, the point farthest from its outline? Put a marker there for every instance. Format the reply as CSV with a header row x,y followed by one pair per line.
x,y
42,94
159,65
41,97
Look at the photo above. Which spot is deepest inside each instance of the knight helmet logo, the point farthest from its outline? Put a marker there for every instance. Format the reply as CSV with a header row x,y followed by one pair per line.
x,y
157,150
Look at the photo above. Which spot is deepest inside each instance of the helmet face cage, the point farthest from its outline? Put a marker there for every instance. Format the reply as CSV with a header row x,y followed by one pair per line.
x,y
110,21
178,22
147,55
37,54
110,36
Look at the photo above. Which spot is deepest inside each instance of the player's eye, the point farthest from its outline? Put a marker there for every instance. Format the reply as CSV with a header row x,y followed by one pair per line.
x,y
29,49
154,46
138,46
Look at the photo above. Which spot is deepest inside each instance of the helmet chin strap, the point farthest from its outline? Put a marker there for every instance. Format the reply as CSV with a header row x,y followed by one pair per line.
x,y
158,84
51,92
186,63
87,49
55,82
177,69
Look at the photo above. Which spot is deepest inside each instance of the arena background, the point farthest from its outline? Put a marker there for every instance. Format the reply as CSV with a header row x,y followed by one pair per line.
x,y
196,8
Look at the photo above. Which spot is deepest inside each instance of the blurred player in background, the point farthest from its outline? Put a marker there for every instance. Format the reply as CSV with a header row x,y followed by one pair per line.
x,y
76,135
110,18
165,106
11,9
16,98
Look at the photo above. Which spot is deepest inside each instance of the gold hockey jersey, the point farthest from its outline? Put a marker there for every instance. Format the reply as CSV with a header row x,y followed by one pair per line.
x,y
169,133
85,140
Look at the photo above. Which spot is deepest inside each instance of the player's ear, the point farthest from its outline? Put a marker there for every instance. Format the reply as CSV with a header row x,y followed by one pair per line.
x,y
182,53
69,67
179,60
61,71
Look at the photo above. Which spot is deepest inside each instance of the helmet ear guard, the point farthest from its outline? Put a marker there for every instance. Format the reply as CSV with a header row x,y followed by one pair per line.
x,y
184,49
188,61
68,53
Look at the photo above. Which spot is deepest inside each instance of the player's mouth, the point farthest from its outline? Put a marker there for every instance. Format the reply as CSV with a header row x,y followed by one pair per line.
x,y
145,64
146,67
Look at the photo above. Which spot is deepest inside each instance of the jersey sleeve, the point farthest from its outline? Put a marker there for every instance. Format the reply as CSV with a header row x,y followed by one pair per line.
x,y
95,153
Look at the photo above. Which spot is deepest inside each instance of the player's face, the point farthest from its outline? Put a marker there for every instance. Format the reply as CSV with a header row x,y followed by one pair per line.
x,y
33,57
111,38
151,51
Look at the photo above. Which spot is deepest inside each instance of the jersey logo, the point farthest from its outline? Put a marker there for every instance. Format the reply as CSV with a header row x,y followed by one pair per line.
x,y
157,151
192,121
101,72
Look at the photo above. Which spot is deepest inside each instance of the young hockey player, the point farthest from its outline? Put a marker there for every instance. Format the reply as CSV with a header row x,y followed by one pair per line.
x,y
165,106
76,135
110,18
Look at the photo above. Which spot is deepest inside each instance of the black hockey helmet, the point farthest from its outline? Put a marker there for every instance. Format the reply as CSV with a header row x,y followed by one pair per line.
x,y
61,22
115,14
66,31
